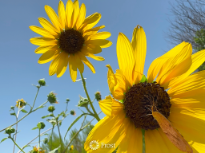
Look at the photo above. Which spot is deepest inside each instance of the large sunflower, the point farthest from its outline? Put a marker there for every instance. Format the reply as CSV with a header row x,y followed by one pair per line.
x,y
170,85
69,39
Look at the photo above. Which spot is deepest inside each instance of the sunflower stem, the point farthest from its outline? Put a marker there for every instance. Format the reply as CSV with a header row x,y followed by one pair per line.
x,y
86,92
143,141
39,140
16,143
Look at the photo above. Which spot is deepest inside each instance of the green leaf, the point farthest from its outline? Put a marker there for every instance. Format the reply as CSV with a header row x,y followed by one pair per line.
x,y
14,114
55,150
144,79
45,116
34,128
75,122
24,111
3,140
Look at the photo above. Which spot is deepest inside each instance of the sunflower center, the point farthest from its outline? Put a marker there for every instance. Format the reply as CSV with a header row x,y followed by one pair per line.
x,y
71,41
139,100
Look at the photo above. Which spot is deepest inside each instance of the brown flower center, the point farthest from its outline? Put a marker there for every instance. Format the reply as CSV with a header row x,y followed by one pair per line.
x,y
71,41
139,100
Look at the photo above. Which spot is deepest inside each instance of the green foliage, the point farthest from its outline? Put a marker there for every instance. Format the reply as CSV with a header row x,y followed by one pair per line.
x,y
199,39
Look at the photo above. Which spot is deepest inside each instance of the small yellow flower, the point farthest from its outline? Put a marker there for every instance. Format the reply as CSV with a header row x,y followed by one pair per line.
x,y
35,150
71,148
20,103
170,86
69,39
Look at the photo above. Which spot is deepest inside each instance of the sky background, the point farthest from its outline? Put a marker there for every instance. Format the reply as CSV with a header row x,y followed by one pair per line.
x,y
19,67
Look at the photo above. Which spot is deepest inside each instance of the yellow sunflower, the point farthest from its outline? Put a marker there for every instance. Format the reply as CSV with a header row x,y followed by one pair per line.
x,y
36,150
69,39
20,103
170,85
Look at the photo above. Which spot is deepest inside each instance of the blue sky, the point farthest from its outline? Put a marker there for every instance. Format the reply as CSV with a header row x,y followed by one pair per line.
x,y
19,67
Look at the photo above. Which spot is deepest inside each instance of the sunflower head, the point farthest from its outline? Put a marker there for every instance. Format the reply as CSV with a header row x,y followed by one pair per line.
x,y
20,103
69,39
37,150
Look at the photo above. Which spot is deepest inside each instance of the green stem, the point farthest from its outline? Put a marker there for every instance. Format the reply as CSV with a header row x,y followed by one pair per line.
x,y
86,92
35,98
15,133
61,148
16,144
51,136
143,141
39,140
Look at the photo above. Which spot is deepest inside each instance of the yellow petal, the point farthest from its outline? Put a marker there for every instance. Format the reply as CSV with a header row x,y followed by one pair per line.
x,y
61,14
103,134
93,30
43,49
190,127
109,106
111,79
75,12
63,62
100,35
54,65
98,58
139,45
155,67
79,63
41,41
192,82
125,57
173,64
100,42
47,56
197,60
53,17
48,26
69,12
92,48
90,21
85,60
72,68
41,31
81,16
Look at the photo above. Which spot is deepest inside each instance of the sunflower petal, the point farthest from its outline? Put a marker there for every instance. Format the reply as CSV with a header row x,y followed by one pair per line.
x,y
93,30
41,41
75,13
69,12
111,79
98,58
125,57
41,31
53,17
85,60
63,62
100,35
48,26
61,14
100,42
43,49
81,16
79,63
155,67
47,56
54,65
109,106
90,21
139,45
91,48
72,68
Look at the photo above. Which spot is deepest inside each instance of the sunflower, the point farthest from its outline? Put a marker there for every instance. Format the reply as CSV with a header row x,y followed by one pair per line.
x,y
36,150
69,39
170,85
20,103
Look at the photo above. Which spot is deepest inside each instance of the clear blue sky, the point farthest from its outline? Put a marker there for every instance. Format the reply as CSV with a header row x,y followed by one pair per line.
x,y
19,67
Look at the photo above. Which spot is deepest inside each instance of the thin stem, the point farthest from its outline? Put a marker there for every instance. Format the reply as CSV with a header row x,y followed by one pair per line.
x,y
34,139
39,140
86,92
15,133
81,128
59,135
27,113
16,144
51,136
35,98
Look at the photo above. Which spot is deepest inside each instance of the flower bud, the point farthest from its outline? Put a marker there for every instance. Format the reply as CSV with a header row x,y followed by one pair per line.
x,y
72,112
42,82
83,102
51,108
41,125
52,98
98,96
10,130
67,100
20,103
45,141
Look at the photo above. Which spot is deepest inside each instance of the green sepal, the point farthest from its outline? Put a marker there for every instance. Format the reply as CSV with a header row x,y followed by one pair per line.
x,y
122,101
144,79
